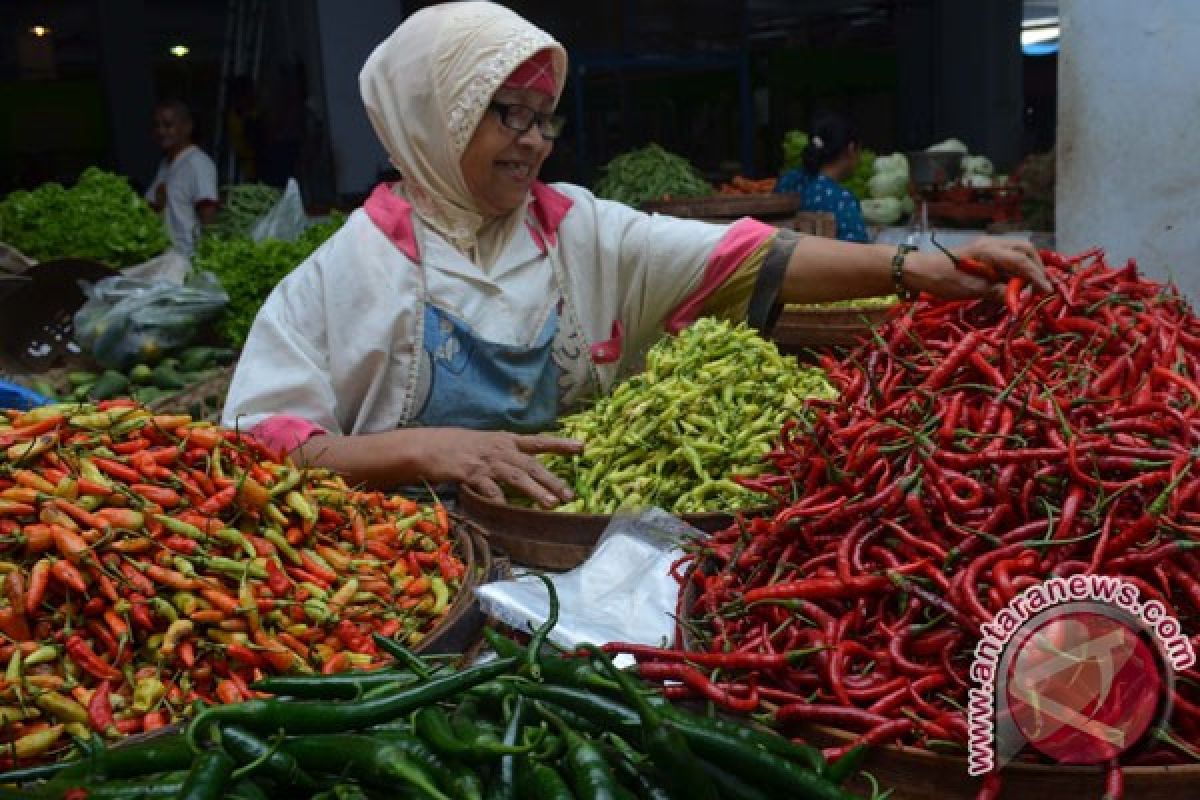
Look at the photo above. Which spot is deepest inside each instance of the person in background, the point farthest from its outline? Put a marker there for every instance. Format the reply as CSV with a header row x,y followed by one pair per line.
x,y
463,308
184,190
243,127
830,158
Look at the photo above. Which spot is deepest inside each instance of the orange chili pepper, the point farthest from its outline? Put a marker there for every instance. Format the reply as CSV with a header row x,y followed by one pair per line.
x,y
68,575
159,495
153,720
227,692
69,543
207,616
173,579
39,576
33,480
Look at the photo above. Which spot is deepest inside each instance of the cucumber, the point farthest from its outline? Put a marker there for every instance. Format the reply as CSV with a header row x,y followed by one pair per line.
x,y
81,378
142,374
109,385
195,359
44,388
165,376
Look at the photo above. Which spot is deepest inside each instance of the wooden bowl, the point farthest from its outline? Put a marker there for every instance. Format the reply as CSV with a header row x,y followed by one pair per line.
x,y
555,540
826,327
776,208
464,620
917,774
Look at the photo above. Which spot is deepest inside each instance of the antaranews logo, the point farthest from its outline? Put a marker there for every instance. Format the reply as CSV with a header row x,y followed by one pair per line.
x,y
1078,668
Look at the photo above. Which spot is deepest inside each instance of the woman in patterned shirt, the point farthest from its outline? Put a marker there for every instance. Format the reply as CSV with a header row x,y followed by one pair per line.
x,y
830,158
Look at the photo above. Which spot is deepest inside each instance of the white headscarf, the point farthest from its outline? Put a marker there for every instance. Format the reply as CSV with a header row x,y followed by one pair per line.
x,y
426,88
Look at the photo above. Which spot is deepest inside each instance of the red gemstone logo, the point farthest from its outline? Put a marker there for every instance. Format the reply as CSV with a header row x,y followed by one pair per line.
x,y
1083,687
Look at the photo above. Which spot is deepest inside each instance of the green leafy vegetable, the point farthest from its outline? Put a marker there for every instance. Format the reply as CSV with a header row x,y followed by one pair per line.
x,y
650,173
99,218
794,144
243,205
249,270
863,170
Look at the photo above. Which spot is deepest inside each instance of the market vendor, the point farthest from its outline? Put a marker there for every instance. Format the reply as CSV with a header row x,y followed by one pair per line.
x,y
462,308
184,190
828,160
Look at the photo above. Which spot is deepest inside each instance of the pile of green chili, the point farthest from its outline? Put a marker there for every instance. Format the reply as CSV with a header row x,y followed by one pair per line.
x,y
709,405
529,723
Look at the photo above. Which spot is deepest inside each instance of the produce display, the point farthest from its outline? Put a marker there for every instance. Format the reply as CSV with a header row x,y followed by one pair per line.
x,y
860,304
888,197
527,724
99,218
242,205
975,450
149,562
740,185
650,173
145,383
249,270
709,404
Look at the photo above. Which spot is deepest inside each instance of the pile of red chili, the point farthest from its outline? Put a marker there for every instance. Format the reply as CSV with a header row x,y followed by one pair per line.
x,y
976,450
149,561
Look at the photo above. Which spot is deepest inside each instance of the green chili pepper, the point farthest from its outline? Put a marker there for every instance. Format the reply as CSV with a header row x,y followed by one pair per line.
x,y
270,715
541,782
539,636
372,760
209,777
665,745
591,776
248,749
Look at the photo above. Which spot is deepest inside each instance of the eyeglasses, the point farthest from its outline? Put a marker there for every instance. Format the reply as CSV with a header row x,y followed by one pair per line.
x,y
521,118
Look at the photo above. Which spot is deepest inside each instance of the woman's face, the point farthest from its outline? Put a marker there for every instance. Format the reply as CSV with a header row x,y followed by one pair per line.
x,y
499,164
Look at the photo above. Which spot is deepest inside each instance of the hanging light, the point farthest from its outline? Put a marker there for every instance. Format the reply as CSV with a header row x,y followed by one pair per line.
x,y
179,50
40,31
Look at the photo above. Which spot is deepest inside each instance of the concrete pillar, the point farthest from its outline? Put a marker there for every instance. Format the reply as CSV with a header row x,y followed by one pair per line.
x,y
128,78
1128,175
960,75
347,37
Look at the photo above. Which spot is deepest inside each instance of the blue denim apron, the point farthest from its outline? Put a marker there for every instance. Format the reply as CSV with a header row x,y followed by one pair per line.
x,y
475,383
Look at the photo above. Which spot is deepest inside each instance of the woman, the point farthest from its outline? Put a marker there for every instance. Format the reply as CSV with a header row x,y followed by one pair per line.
x,y
829,159
463,307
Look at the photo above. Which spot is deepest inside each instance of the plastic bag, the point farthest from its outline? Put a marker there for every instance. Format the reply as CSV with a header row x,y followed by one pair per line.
x,y
286,219
623,592
171,267
126,321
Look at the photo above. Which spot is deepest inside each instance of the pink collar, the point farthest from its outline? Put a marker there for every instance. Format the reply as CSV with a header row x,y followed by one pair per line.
x,y
392,214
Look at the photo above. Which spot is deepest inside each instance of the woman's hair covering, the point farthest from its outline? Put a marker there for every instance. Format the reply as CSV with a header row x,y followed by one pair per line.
x,y
426,88
829,136
536,73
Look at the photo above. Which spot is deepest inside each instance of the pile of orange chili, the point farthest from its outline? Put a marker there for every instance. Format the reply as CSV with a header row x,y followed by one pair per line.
x,y
148,561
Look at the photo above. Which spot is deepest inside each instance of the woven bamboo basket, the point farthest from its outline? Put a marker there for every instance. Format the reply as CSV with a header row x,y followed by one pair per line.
x,y
555,540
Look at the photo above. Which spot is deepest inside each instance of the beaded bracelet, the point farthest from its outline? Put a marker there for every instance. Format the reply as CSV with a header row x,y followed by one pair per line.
x,y
902,291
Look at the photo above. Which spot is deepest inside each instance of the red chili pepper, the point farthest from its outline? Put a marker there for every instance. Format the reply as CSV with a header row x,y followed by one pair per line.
x,y
99,708
219,501
697,681
82,654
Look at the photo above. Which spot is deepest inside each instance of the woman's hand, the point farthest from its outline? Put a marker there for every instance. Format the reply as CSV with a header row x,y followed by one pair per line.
x,y
935,273
487,461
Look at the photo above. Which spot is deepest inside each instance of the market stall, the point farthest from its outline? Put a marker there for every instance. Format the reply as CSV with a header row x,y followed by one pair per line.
x,y
186,609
